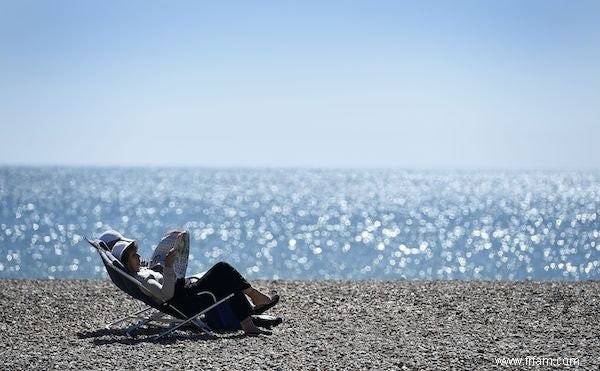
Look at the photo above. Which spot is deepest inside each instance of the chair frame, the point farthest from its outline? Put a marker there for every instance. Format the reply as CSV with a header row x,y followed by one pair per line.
x,y
164,309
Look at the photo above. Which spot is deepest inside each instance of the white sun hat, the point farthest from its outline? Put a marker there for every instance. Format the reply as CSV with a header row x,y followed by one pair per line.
x,y
119,249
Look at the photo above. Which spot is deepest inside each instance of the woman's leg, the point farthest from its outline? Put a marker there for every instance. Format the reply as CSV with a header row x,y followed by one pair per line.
x,y
224,271
222,279
221,276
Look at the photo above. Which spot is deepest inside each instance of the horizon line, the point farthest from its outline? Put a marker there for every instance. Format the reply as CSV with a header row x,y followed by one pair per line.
x,y
300,167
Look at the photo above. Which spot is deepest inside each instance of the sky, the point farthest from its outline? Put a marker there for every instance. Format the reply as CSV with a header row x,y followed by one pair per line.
x,y
326,84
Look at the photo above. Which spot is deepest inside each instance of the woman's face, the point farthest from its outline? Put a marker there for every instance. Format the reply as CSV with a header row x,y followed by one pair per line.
x,y
133,260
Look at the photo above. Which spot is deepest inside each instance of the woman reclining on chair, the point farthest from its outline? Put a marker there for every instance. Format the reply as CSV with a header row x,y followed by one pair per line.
x,y
222,279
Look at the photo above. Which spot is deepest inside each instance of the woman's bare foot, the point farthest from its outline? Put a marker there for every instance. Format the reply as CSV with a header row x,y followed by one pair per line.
x,y
257,297
250,328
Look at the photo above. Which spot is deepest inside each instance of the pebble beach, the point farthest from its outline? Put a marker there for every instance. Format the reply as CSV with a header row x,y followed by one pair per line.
x,y
414,325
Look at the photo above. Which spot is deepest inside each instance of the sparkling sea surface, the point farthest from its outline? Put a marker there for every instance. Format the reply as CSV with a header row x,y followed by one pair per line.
x,y
309,224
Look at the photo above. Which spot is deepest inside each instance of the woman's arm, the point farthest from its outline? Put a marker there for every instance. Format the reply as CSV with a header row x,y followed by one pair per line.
x,y
164,290
161,285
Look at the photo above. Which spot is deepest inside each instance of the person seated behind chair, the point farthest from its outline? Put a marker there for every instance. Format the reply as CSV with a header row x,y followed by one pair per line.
x,y
222,279
111,237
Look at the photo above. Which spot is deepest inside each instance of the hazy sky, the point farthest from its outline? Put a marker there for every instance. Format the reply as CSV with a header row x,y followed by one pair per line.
x,y
448,84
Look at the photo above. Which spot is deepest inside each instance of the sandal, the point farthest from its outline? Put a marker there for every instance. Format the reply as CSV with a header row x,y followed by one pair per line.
x,y
259,309
266,321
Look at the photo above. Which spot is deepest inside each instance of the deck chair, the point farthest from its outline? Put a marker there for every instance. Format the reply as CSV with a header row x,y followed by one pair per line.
x,y
165,312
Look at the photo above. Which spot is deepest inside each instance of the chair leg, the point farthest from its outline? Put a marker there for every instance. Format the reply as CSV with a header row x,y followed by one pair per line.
x,y
133,315
202,326
194,318
130,331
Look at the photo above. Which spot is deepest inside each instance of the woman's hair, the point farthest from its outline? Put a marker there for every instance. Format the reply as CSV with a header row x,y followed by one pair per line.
x,y
125,256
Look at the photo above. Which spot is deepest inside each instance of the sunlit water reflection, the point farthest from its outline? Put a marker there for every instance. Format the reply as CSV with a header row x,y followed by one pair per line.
x,y
309,224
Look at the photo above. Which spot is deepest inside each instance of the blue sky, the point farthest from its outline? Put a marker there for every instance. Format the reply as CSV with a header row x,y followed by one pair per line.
x,y
420,85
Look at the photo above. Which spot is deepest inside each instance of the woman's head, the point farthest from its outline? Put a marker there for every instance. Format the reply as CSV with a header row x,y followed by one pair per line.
x,y
127,253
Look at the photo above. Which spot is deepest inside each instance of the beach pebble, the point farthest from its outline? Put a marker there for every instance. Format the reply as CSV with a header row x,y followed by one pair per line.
x,y
402,325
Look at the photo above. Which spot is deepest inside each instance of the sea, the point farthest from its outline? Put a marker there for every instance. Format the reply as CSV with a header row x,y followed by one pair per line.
x,y
309,224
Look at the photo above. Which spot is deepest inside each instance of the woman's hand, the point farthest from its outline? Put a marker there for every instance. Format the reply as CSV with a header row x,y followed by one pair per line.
x,y
170,258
